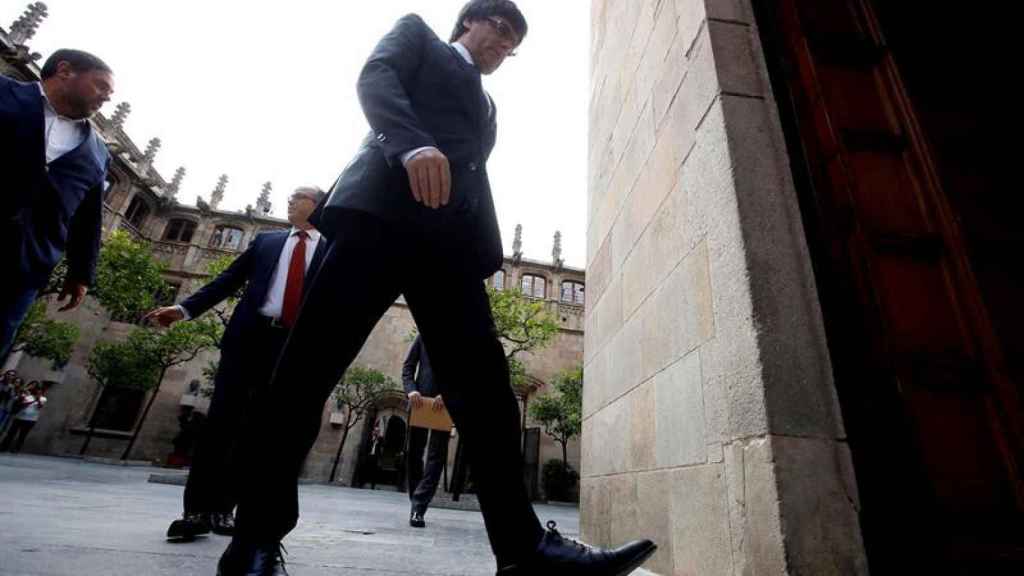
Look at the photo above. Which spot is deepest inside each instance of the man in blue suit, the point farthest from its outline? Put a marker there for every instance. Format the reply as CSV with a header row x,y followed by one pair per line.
x,y
273,270
55,166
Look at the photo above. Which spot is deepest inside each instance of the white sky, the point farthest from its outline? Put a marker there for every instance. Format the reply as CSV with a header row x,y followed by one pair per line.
x,y
264,90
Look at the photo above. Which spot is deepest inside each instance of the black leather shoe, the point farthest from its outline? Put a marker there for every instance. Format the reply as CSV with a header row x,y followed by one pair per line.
x,y
223,523
416,520
242,559
186,529
560,556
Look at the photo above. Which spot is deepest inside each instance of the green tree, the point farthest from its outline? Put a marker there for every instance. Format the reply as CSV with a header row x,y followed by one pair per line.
x,y
523,325
129,280
561,413
167,348
124,365
357,392
43,337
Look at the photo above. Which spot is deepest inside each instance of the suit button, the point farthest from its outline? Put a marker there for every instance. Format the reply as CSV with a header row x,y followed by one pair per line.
x,y
472,166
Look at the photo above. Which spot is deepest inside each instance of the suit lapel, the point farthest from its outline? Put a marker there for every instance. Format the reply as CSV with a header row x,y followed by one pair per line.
x,y
472,91
314,265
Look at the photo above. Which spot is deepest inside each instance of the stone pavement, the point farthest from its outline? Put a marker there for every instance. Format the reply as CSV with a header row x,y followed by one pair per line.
x,y
63,516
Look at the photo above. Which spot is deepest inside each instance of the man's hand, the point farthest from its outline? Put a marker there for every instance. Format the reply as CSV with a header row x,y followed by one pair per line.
x,y
430,178
438,404
74,291
415,399
164,316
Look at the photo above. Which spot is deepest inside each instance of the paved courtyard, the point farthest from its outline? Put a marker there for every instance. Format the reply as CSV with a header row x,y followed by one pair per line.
x,y
62,516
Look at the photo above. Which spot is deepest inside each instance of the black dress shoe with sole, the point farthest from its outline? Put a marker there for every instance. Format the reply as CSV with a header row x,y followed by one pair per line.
x,y
243,559
188,528
416,520
558,556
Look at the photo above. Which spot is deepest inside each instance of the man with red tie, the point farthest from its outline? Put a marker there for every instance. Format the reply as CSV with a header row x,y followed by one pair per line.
x,y
273,270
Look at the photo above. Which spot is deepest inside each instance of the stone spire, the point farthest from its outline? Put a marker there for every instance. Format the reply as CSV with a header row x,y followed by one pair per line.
x,y
218,192
172,189
149,155
556,251
120,113
517,244
263,202
26,25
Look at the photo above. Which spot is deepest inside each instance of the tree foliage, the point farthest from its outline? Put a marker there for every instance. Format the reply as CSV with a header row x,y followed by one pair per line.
x,y
561,412
357,392
129,279
43,337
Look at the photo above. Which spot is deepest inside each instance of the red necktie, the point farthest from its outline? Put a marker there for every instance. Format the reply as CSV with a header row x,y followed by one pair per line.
x,y
293,287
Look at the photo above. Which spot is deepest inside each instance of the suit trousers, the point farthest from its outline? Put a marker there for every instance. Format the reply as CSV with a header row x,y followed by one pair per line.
x,y
424,478
14,304
370,263
213,479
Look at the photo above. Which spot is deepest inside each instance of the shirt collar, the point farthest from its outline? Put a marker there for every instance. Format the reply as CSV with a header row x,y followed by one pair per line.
x,y
49,108
464,52
314,234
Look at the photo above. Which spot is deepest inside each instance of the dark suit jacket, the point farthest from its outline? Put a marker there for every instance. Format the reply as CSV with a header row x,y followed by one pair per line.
x,y
415,91
421,380
253,269
45,212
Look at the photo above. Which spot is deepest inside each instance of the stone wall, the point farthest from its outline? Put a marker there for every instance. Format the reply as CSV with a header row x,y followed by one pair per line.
x,y
711,422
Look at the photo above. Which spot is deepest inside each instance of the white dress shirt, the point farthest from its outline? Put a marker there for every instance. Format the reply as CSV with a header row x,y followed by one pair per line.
x,y
62,134
275,294
464,52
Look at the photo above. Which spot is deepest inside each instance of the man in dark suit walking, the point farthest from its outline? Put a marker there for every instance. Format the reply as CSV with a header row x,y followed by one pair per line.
x,y
412,215
55,167
273,270
418,381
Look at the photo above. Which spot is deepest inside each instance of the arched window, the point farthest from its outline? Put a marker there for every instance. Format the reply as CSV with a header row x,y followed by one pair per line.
x,y
498,280
226,238
534,286
179,230
572,292
137,212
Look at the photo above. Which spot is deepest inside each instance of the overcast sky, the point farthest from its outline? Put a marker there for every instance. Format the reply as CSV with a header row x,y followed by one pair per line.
x,y
265,90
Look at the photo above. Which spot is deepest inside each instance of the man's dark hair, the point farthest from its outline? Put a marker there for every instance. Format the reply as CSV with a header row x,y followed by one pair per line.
x,y
79,60
480,9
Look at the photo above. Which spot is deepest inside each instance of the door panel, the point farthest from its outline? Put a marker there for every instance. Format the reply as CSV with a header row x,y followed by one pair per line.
x,y
933,422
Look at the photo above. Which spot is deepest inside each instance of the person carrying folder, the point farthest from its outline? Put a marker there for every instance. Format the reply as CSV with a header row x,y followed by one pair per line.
x,y
418,380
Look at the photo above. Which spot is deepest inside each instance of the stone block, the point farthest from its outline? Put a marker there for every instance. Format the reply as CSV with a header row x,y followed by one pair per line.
x,y
654,501
756,530
700,522
818,512
624,358
797,370
691,15
734,60
679,416
643,435
626,526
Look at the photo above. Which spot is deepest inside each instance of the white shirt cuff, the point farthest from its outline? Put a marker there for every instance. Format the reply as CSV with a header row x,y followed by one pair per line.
x,y
183,311
406,156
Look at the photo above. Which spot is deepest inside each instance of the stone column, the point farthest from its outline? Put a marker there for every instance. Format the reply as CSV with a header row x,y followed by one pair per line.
x,y
710,418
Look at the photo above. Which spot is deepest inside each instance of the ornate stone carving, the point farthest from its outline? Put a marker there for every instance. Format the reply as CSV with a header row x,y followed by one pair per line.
x,y
24,28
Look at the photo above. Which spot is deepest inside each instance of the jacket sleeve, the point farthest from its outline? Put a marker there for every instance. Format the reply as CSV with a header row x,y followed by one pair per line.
x,y
409,367
83,246
384,85
223,286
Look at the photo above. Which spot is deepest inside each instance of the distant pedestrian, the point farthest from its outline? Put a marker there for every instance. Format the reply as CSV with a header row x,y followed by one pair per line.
x,y
28,407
